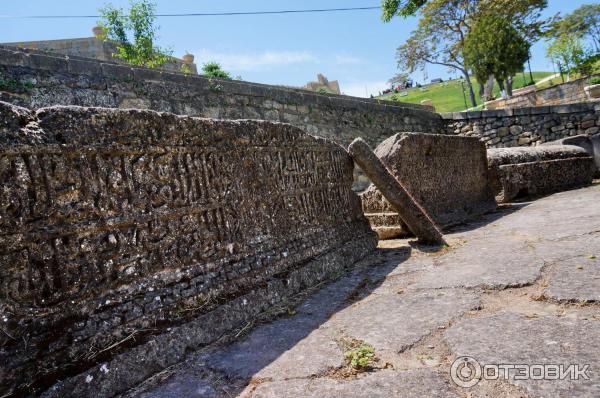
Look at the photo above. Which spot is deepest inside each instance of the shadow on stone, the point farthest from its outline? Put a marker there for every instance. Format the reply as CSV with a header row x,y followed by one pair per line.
x,y
227,369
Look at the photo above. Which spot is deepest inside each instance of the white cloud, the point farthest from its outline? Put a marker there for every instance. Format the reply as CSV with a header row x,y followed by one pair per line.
x,y
347,59
254,61
364,89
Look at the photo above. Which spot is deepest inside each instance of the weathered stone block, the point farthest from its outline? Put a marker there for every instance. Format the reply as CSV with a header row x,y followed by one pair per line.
x,y
538,170
130,237
446,174
590,144
410,210
516,129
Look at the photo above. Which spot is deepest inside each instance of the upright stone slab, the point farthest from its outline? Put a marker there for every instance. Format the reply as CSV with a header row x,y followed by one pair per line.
x,y
540,170
130,237
445,174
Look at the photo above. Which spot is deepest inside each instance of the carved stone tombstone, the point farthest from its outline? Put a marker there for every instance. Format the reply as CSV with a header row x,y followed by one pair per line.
x,y
129,237
447,175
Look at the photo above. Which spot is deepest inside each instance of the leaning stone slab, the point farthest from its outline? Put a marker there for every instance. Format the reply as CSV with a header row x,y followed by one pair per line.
x,y
130,237
446,174
538,170
412,213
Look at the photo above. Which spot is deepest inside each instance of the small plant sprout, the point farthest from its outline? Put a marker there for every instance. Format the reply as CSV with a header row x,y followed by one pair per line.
x,y
360,357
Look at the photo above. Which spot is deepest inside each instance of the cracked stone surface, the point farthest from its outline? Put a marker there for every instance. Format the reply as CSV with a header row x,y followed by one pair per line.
x,y
515,339
485,263
409,384
576,279
521,284
393,322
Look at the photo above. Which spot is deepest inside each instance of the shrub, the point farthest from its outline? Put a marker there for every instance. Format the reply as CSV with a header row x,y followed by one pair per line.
x,y
213,69
594,80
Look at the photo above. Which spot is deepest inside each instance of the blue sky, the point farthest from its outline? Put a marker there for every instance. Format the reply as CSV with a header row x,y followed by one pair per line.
x,y
355,47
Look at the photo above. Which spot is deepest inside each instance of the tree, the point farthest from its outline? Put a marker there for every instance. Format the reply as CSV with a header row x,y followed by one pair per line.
x,y
213,69
439,39
567,51
495,47
444,24
406,8
134,34
583,22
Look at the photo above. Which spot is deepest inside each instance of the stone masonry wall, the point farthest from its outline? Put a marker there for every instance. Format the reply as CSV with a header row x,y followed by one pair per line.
x,y
129,237
526,126
92,47
566,93
32,79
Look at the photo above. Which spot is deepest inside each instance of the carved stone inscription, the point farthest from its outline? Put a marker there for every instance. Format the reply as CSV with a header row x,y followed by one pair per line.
x,y
80,219
113,221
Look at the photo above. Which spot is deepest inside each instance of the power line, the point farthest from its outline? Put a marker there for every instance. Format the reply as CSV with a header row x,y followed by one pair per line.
x,y
208,14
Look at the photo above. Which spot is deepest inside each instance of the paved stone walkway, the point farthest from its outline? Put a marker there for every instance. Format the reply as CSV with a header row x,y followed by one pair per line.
x,y
522,286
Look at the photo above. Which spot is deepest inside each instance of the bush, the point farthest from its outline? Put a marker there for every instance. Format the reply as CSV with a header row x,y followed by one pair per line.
x,y
594,80
213,69
590,65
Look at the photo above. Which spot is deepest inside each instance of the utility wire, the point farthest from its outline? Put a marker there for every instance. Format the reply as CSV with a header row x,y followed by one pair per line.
x,y
209,14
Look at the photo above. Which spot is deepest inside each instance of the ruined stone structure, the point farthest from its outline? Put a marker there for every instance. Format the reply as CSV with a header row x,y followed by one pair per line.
x,y
34,79
526,126
411,211
561,94
332,87
129,237
591,144
536,171
446,174
95,48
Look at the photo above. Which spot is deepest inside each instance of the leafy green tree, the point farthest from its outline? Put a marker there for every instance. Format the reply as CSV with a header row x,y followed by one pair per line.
x,y
583,22
495,47
134,34
439,39
590,65
567,51
213,69
444,25
402,8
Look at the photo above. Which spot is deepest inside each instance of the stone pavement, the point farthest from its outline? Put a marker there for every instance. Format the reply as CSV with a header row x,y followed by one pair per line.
x,y
520,286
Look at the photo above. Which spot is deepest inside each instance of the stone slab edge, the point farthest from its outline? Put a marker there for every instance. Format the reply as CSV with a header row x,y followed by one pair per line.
x,y
131,367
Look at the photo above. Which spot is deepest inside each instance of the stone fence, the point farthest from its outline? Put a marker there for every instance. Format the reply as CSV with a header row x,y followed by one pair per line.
x,y
566,93
525,126
129,237
35,79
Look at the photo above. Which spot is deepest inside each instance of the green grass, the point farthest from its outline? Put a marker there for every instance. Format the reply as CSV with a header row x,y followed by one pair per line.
x,y
448,96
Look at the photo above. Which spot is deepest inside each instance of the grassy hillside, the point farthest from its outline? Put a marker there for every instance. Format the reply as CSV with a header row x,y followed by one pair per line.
x,y
448,96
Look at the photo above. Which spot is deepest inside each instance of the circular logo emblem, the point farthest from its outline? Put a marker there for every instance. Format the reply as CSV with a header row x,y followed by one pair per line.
x,y
465,372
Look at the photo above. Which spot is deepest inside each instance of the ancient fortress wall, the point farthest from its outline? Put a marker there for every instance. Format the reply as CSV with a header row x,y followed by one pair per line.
x,y
33,79
526,126
152,234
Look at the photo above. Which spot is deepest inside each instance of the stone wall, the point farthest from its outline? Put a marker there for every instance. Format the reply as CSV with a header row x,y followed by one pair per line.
x,y
38,80
525,126
129,237
566,93
92,47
